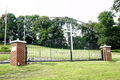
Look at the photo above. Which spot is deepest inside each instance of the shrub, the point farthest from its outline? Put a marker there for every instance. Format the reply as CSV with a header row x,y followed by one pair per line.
x,y
4,49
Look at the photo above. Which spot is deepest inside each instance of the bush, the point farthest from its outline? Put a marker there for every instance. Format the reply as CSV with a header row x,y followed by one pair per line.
x,y
4,49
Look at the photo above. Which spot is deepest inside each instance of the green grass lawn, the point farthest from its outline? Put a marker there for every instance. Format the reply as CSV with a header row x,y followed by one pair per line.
x,y
115,56
115,50
4,57
81,70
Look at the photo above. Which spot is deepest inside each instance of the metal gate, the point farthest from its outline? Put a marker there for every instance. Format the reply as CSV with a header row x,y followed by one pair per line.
x,y
59,50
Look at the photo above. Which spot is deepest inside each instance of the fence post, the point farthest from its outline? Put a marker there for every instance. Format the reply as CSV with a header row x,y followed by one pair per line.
x,y
50,51
17,53
106,53
102,54
25,55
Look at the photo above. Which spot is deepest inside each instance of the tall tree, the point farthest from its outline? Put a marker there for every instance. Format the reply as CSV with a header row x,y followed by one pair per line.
x,y
30,37
2,31
11,26
116,7
106,26
11,30
57,29
88,32
42,27
27,21
118,30
20,23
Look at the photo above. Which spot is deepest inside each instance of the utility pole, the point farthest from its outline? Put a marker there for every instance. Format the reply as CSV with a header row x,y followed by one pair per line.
x,y
24,27
71,41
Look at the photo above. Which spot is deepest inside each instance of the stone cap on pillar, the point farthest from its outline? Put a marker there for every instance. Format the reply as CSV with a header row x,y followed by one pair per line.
x,y
104,46
17,41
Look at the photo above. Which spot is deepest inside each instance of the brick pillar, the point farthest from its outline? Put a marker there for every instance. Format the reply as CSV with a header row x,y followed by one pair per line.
x,y
106,53
17,52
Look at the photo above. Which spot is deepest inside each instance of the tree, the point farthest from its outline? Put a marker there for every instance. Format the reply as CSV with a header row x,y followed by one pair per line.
x,y
2,31
88,32
106,18
116,5
11,29
42,28
118,33
20,23
26,20
79,42
105,26
57,31
30,36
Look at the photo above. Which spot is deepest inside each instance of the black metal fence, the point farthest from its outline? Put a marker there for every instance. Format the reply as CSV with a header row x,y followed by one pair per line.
x,y
59,50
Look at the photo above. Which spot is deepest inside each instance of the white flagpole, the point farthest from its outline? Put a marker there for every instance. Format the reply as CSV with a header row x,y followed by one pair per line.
x,y
5,18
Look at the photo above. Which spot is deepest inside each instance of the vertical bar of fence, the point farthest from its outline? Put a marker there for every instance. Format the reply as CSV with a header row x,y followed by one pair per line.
x,y
31,51
34,51
39,53
89,50
25,54
102,54
50,51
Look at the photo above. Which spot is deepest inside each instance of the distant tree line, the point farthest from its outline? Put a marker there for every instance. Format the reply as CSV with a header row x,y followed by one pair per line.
x,y
41,29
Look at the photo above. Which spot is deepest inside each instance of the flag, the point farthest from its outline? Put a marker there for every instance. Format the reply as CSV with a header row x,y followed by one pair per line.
x,y
5,18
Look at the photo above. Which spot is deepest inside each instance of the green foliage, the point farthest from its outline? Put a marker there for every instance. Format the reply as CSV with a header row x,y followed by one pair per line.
x,y
30,37
57,31
79,43
4,49
88,32
1,30
116,5
42,28
106,27
106,18
11,27
20,22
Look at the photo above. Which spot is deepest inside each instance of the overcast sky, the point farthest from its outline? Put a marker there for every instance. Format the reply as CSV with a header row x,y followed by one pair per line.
x,y
83,10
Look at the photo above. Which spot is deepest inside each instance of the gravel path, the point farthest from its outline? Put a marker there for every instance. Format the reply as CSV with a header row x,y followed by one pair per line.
x,y
5,61
31,59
